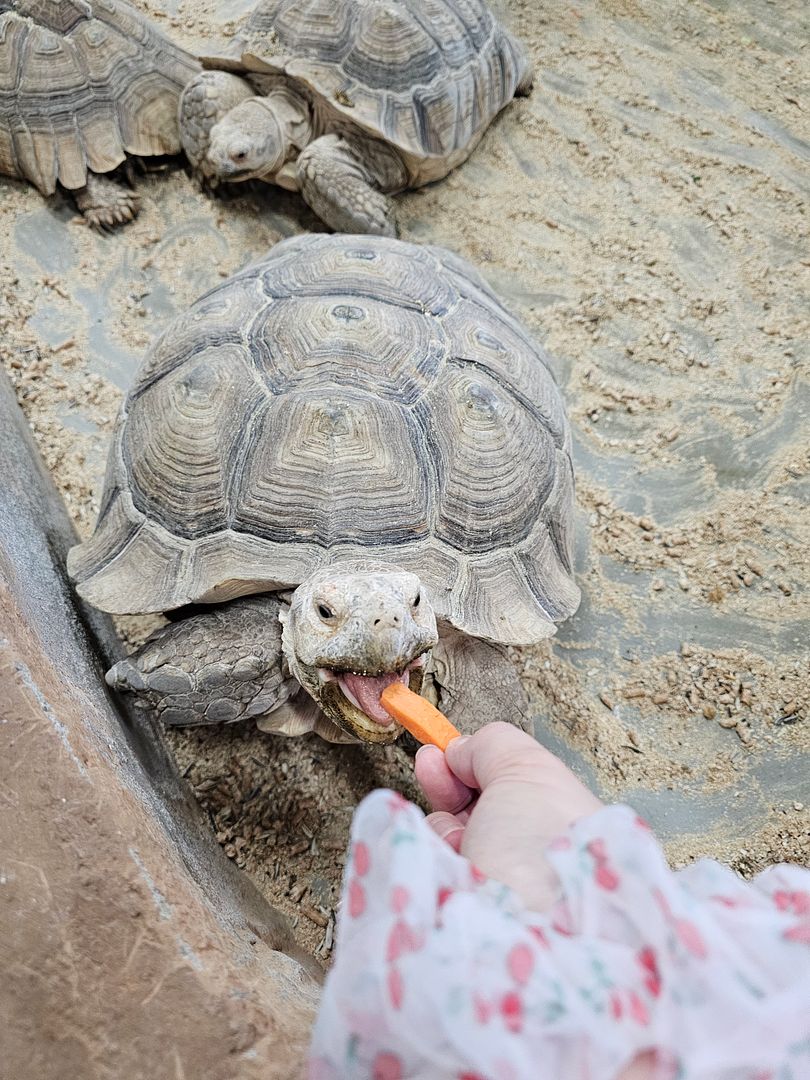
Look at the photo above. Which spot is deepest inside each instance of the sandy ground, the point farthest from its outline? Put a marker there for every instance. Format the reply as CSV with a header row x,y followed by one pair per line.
x,y
644,212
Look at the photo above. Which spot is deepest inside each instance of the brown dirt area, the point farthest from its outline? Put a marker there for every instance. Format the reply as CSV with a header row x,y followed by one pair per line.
x,y
644,211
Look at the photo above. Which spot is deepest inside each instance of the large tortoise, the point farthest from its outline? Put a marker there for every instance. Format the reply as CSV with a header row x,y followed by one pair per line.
x,y
356,436
84,83
348,101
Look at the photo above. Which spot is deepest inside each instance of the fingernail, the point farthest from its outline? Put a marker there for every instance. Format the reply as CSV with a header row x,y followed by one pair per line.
x,y
456,743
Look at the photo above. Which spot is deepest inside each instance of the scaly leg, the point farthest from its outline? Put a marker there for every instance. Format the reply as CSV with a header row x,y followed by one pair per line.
x,y
344,179
474,682
104,203
218,666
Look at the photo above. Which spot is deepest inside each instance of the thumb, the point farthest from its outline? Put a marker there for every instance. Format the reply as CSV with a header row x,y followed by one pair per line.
x,y
497,751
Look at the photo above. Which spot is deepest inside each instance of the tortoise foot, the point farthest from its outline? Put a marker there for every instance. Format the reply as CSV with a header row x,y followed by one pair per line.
x,y
104,203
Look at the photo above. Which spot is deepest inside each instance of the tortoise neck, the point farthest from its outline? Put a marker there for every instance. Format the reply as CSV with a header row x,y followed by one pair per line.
x,y
292,113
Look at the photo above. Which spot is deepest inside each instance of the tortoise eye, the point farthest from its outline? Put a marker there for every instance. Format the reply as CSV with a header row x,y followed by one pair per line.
x,y
325,612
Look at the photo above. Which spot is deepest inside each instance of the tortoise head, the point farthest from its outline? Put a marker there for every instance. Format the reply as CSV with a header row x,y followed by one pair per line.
x,y
249,142
256,137
350,633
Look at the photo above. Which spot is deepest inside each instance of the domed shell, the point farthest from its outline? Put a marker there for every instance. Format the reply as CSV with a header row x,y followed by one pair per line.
x,y
428,76
83,83
344,399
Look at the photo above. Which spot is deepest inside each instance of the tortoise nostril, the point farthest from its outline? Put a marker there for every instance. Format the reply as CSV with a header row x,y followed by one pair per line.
x,y
238,155
393,620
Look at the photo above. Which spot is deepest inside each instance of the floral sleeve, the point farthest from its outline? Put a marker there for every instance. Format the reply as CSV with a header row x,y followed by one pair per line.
x,y
441,973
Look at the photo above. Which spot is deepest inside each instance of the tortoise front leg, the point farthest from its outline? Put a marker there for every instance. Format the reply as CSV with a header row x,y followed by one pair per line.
x,y
345,178
105,203
474,683
218,666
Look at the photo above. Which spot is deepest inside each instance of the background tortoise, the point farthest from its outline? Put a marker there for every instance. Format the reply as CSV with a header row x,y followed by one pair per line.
x,y
83,83
356,99
358,420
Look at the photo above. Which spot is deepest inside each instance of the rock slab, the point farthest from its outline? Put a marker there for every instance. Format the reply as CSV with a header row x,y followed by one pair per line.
x,y
130,946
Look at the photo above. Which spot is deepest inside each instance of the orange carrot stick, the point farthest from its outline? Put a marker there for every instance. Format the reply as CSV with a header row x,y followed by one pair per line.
x,y
418,716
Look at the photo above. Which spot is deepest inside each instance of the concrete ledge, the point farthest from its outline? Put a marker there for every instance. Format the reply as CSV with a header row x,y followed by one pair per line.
x,y
131,946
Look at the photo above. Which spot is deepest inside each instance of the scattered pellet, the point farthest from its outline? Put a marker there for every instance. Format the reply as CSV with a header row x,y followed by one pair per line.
x,y
297,892
314,915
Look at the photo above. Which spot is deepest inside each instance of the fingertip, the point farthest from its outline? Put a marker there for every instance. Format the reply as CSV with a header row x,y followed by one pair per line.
x,y
457,759
444,791
455,747
428,764
424,753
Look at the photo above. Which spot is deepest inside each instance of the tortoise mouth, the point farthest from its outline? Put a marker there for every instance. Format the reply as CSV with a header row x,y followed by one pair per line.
x,y
235,176
355,696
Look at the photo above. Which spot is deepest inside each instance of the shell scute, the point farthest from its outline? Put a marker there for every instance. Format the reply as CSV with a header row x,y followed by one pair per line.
x,y
390,50
365,345
481,433
354,270
181,446
487,339
287,495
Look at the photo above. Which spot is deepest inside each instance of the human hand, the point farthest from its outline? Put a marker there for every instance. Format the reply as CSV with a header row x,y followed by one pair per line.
x,y
499,798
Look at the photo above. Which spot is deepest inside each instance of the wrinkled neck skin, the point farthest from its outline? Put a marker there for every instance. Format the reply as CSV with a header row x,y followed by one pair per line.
x,y
259,136
347,634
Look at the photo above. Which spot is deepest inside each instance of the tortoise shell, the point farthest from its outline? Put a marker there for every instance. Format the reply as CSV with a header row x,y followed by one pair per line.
x,y
427,76
83,83
345,399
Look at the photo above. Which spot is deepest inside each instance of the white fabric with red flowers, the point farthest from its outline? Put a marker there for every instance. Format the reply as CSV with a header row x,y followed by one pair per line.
x,y
441,973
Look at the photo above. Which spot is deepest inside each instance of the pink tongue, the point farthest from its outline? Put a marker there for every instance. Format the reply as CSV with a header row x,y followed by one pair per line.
x,y
365,691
